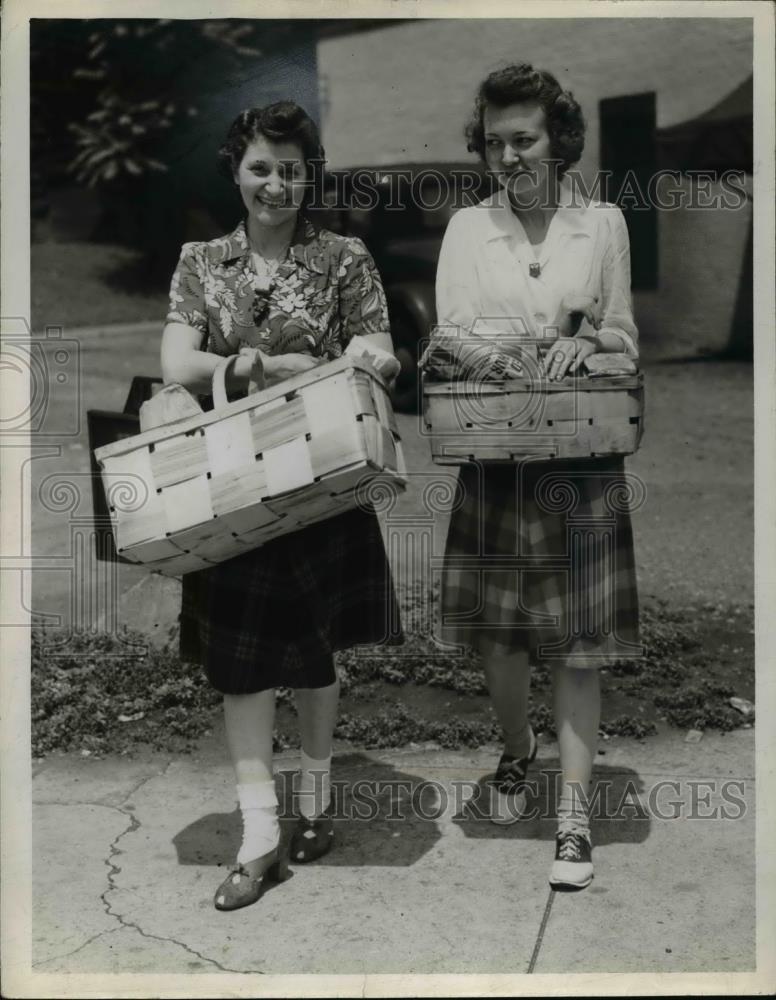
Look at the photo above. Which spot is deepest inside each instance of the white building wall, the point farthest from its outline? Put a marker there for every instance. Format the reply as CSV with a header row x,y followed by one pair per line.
x,y
402,93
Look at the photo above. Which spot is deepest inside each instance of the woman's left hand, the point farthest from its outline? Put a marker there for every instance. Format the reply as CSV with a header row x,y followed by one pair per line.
x,y
256,379
566,355
575,307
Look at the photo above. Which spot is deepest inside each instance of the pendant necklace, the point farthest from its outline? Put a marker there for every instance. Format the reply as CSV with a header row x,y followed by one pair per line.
x,y
535,268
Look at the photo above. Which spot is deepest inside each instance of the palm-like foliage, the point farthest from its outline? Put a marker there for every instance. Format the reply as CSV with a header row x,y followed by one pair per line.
x,y
106,94
118,139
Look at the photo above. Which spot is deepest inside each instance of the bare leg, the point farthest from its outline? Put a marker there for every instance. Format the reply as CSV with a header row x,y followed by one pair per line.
x,y
577,696
509,681
317,710
249,722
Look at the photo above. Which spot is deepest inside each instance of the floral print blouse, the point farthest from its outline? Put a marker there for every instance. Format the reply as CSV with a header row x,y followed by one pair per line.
x,y
325,291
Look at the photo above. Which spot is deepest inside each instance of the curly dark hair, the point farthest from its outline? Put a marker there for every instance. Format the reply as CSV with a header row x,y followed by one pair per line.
x,y
284,121
521,82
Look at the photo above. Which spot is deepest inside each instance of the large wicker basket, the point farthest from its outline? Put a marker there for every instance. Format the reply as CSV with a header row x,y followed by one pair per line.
x,y
191,494
578,417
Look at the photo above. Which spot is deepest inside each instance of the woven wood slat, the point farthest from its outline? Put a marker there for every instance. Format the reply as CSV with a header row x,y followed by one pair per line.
x,y
504,422
178,459
222,483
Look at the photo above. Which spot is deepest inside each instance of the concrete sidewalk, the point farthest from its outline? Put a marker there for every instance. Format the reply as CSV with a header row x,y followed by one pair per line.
x,y
128,853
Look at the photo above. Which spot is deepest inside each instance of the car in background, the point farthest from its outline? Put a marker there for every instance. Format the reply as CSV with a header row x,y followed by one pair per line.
x,y
401,212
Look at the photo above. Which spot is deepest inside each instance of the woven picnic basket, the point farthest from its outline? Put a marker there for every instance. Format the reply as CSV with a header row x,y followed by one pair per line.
x,y
533,418
190,494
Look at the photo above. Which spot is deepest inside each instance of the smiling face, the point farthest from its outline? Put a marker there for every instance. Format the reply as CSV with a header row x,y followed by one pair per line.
x,y
271,177
517,150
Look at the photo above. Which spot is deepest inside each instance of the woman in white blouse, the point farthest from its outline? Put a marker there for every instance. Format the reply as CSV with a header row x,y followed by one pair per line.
x,y
534,265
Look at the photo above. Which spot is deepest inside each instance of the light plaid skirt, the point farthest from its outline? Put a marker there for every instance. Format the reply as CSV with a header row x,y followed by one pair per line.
x,y
539,556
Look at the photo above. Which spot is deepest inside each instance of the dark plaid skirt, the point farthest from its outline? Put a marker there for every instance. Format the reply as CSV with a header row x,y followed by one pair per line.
x,y
539,556
274,617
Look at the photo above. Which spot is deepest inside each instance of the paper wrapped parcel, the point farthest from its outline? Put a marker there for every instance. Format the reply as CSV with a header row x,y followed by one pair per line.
x,y
609,365
453,357
382,361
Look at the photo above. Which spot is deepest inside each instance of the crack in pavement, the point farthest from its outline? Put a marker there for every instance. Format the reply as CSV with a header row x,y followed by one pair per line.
x,y
540,936
108,805
148,777
114,870
54,958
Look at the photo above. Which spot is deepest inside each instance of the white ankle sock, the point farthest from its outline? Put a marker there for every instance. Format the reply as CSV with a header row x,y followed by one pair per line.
x,y
261,831
572,811
314,789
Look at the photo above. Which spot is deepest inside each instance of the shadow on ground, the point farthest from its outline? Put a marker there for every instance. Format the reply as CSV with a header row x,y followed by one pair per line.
x,y
618,813
381,819
391,818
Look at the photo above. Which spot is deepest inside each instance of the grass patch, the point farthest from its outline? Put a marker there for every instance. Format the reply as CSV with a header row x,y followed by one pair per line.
x,y
75,284
398,725
108,693
103,692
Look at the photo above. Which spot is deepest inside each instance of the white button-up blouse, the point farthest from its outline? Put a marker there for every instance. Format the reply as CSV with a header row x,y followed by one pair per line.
x,y
484,283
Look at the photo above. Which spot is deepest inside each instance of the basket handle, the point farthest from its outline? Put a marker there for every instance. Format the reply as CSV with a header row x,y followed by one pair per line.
x,y
220,397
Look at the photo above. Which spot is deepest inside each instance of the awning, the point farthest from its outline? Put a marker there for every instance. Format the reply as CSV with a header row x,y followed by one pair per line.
x,y
719,139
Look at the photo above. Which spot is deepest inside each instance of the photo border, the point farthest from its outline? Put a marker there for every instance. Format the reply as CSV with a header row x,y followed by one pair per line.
x,y
15,804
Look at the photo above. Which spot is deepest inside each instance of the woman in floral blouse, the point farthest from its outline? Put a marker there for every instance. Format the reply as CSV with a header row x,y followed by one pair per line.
x,y
285,296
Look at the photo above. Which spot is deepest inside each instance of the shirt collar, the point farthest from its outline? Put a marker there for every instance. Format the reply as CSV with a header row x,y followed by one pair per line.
x,y
236,246
572,215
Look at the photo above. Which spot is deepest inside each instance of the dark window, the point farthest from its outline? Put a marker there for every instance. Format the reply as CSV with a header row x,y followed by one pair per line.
x,y
629,152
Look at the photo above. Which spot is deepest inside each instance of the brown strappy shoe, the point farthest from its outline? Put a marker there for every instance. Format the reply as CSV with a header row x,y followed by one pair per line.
x,y
246,882
312,838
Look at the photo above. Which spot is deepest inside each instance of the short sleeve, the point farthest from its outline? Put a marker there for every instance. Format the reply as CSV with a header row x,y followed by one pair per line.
x,y
187,291
363,308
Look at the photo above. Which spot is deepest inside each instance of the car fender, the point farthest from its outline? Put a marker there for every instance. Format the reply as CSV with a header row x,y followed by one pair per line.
x,y
415,301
